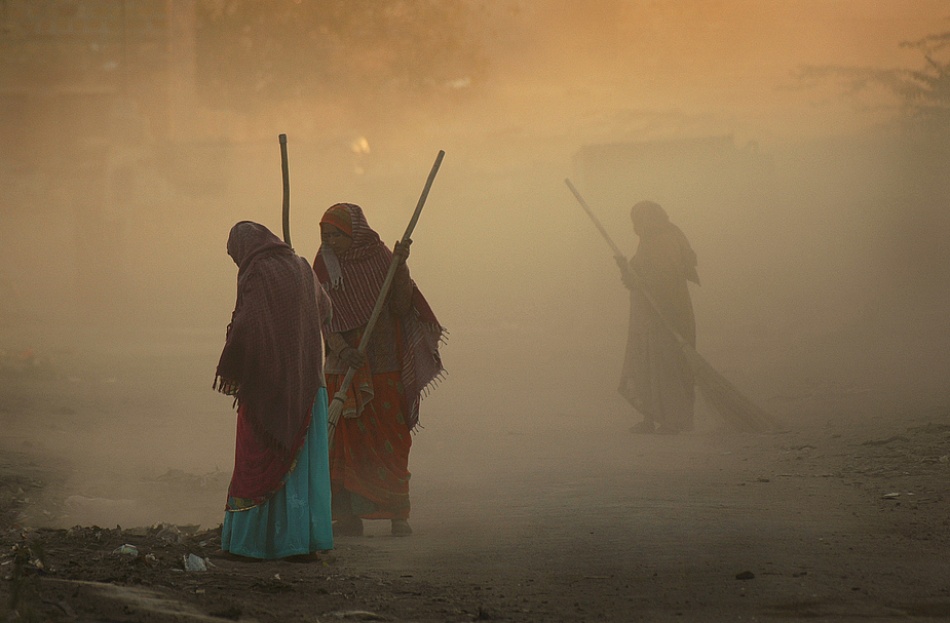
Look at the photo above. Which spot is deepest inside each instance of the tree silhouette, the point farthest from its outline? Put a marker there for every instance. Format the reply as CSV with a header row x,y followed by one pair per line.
x,y
923,95
926,92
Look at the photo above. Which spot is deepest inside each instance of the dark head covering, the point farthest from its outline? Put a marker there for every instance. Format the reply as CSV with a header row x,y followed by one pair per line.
x,y
649,216
273,350
651,222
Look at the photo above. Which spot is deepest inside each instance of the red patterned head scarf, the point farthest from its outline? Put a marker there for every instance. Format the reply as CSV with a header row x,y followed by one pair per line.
x,y
339,216
357,277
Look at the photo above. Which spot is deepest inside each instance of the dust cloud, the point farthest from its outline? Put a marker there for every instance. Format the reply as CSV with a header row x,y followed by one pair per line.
x,y
774,135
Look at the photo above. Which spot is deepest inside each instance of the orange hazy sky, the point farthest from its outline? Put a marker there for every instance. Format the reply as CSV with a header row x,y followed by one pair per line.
x,y
733,62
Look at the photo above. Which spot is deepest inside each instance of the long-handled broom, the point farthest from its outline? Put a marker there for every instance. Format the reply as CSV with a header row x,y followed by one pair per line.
x,y
728,402
336,405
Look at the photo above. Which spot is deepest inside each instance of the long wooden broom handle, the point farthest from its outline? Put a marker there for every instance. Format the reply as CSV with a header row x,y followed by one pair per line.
x,y
590,213
630,270
336,405
285,175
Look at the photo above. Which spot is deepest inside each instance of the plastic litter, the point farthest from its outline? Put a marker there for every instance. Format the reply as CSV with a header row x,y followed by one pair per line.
x,y
195,563
127,550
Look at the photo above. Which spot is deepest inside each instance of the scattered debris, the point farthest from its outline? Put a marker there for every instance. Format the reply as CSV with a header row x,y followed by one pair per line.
x,y
127,550
195,563
169,533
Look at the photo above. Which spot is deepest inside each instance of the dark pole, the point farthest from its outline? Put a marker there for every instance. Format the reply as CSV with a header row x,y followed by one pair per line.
x,y
285,174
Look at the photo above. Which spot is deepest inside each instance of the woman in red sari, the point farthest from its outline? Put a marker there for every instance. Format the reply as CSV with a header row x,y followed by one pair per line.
x,y
369,454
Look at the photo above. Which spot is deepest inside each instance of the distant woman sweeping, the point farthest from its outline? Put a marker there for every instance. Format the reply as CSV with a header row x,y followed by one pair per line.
x,y
656,378
279,498
369,454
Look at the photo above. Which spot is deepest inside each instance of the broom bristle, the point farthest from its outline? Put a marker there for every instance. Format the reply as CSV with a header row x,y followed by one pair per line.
x,y
734,407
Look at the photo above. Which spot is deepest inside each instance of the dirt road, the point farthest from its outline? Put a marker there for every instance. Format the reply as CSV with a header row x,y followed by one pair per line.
x,y
843,518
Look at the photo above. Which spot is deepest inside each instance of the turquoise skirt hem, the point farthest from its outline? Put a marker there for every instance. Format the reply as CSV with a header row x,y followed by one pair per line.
x,y
296,520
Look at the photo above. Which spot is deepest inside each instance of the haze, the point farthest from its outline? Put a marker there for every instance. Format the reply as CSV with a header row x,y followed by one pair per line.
x,y
774,134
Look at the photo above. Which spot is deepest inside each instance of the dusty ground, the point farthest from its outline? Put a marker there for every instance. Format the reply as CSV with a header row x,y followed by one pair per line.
x,y
553,518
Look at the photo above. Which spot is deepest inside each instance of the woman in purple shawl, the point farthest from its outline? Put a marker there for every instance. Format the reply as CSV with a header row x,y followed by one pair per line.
x,y
272,363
